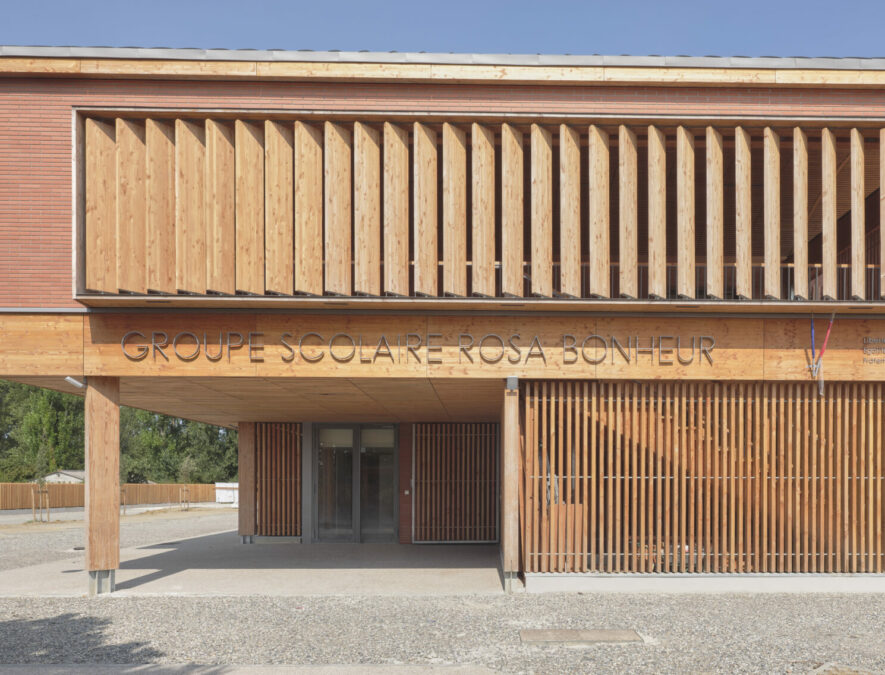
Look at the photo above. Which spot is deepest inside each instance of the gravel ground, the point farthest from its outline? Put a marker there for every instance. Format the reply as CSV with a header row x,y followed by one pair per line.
x,y
23,545
726,634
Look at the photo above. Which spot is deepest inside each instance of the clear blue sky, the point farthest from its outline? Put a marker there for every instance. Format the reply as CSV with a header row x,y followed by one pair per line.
x,y
728,28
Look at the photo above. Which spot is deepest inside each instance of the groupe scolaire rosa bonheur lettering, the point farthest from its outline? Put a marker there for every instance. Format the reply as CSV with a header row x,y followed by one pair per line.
x,y
429,348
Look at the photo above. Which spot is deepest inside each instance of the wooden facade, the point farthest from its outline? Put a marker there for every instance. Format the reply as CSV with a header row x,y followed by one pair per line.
x,y
287,207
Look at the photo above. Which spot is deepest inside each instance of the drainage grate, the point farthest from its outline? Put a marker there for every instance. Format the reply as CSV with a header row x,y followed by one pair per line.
x,y
584,637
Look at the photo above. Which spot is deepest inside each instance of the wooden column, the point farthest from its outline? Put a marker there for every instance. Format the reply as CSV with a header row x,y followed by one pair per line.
x,y
510,484
828,212
772,210
483,210
454,199
102,496
598,210
628,200
512,245
858,218
743,214
657,214
542,211
569,212
685,213
715,214
246,468
800,214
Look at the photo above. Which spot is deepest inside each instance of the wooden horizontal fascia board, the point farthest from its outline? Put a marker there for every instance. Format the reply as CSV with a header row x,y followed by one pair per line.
x,y
449,73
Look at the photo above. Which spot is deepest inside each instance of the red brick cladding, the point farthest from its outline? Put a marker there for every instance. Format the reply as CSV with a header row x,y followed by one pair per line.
x,y
35,138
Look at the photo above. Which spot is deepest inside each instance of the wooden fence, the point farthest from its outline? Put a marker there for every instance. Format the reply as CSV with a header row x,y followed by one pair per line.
x,y
702,477
61,495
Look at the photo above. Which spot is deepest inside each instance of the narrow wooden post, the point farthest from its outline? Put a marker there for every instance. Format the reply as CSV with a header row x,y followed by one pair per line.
x,y
246,440
102,494
510,482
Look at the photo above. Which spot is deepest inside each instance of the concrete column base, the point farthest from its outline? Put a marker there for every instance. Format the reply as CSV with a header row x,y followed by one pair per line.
x,y
101,582
247,539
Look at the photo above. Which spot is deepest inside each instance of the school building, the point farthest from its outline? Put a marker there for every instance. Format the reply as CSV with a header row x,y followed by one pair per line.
x,y
613,314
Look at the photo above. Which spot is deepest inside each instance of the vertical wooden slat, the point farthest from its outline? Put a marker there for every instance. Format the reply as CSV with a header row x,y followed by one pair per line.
x,y
743,214
308,142
772,208
190,222
337,196
569,211
542,211
657,214
598,211
800,213
101,210
279,204
220,208
454,148
628,200
247,482
685,222
829,213
425,201
715,213
131,234
366,210
482,171
858,218
249,144
512,237
881,212
160,199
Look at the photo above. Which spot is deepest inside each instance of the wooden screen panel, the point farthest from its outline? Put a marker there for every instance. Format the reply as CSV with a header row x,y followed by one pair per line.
x,y
628,208
454,199
702,477
598,208
160,197
366,210
715,214
396,210
337,227
308,142
829,212
858,217
455,474
569,212
101,210
482,167
279,205
249,147
685,225
190,208
772,208
131,234
512,235
542,211
221,236
743,214
800,213
278,479
657,214
426,271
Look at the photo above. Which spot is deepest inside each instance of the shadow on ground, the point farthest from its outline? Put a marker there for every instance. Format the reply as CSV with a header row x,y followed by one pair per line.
x,y
67,638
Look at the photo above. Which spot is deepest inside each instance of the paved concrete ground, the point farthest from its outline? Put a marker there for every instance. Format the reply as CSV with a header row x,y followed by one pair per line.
x,y
466,630
75,513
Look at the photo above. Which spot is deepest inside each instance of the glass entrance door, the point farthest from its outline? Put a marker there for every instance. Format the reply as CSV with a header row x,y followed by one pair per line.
x,y
355,483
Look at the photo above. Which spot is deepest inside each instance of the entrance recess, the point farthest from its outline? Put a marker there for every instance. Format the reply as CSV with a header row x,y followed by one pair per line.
x,y
355,483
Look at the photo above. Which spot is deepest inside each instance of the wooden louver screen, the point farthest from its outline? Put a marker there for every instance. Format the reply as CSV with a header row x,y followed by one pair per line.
x,y
455,473
372,208
278,479
702,477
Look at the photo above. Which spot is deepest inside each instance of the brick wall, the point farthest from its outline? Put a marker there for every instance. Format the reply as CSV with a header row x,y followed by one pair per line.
x,y
35,138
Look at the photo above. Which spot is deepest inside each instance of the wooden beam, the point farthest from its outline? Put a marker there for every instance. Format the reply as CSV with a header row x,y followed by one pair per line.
x,y
425,201
800,213
657,213
569,211
337,225
858,218
396,210
454,198
131,235
542,211
308,209
512,236
828,213
598,211
772,209
685,253
160,198
482,159
628,199
715,214
279,205
190,214
220,208
246,470
743,214
101,209
366,210
510,435
102,458
249,150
